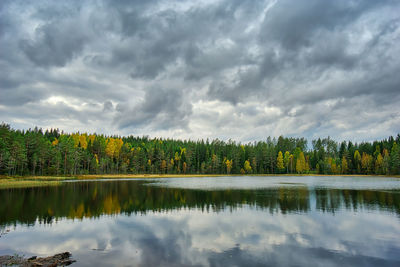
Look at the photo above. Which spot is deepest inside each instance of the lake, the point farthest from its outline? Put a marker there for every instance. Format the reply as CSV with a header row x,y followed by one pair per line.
x,y
220,221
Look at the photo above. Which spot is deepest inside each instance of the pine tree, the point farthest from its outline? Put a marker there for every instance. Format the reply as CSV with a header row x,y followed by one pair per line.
x,y
386,162
395,159
357,161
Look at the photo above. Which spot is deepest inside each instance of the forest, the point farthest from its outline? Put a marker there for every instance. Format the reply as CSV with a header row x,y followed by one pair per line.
x,y
53,152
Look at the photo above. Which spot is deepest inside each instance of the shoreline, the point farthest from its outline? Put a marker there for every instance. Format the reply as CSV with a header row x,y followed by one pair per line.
x,y
9,182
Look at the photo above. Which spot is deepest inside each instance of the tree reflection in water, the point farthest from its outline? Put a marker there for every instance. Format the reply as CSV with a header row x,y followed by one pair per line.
x,y
92,199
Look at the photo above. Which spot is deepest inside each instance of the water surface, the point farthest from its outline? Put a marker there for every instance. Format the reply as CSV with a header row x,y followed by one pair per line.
x,y
222,221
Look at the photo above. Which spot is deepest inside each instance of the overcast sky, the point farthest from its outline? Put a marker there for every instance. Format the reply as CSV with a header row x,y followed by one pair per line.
x,y
203,69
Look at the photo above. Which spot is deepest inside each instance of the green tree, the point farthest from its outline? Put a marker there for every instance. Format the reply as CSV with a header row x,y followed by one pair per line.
x,y
386,162
395,159
357,161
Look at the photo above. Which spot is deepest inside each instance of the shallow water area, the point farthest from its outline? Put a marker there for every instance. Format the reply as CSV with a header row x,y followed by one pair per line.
x,y
208,221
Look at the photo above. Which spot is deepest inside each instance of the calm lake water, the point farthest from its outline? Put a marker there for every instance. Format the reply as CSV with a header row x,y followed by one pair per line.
x,y
223,221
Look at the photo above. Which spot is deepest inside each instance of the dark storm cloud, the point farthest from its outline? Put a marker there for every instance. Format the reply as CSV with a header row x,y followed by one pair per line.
x,y
107,106
59,36
295,24
54,45
149,43
158,67
162,108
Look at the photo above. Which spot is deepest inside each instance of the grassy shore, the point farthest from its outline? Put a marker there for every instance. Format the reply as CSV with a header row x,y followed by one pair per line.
x,y
25,182
34,181
31,181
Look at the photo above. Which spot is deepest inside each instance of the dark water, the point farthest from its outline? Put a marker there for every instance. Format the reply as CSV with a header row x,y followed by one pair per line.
x,y
232,221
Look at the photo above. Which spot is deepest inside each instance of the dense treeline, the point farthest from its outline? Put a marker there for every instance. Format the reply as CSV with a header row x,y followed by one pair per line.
x,y
34,152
